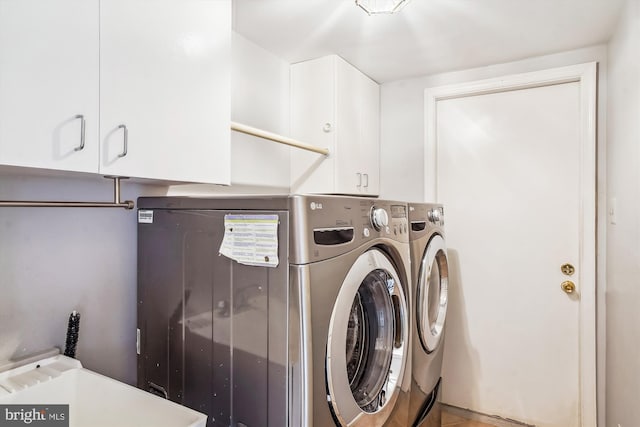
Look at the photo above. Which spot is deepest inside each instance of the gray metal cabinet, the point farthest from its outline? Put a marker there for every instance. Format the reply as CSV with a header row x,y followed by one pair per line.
x,y
213,332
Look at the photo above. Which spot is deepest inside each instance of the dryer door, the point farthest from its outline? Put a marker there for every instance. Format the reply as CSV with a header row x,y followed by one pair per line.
x,y
432,294
367,342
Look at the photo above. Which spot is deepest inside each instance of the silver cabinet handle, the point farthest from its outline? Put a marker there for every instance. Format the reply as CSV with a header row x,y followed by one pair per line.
x,y
82,132
125,140
366,180
359,179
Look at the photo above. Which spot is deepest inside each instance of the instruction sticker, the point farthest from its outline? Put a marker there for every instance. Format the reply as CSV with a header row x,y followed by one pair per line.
x,y
145,217
251,239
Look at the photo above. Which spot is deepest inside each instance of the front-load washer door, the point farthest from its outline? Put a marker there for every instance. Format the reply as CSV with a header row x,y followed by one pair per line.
x,y
432,294
367,342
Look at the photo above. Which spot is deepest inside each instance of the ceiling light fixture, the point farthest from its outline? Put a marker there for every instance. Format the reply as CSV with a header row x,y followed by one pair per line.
x,y
376,7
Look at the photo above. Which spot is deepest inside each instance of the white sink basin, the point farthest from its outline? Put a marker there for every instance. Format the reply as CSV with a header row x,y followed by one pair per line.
x,y
94,400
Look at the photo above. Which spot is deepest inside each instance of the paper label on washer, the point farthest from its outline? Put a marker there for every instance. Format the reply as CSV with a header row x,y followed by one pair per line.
x,y
145,217
251,239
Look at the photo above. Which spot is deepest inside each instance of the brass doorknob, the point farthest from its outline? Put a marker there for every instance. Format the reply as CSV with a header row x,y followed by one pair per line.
x,y
567,269
568,286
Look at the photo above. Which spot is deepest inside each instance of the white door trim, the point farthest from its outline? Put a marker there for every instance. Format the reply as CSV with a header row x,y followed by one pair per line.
x,y
585,75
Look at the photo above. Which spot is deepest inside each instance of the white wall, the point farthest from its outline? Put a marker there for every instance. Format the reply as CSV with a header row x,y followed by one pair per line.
x,y
623,238
402,117
259,98
53,261
402,143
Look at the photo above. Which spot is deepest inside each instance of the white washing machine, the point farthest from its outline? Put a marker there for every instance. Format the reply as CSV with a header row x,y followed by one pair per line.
x,y
430,279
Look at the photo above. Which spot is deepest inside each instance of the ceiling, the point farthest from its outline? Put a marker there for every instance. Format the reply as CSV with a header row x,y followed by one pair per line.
x,y
427,36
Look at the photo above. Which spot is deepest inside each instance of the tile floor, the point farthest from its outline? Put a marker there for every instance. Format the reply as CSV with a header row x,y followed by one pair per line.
x,y
450,420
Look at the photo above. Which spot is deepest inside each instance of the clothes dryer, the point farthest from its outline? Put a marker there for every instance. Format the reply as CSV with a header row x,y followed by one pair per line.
x,y
314,335
430,279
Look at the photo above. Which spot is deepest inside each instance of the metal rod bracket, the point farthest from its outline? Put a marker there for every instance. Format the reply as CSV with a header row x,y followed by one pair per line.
x,y
117,203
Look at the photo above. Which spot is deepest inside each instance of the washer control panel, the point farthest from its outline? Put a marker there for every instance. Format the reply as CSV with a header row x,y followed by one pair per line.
x,y
337,220
389,219
330,225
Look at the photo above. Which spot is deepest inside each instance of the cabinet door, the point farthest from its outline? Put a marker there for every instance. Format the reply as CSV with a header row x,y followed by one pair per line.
x,y
370,136
48,78
349,168
165,89
330,90
313,121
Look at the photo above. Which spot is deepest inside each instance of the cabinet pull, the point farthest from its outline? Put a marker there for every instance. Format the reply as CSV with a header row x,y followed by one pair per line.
x,y
157,390
359,179
125,140
82,132
327,127
366,180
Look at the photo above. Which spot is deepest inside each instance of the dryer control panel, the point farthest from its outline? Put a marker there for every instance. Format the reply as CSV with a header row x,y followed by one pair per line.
x,y
425,218
423,212
436,215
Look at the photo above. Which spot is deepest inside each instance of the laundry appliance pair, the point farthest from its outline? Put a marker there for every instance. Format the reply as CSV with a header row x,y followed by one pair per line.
x,y
277,311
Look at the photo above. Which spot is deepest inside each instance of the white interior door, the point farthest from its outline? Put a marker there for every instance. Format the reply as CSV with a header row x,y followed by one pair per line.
x,y
517,182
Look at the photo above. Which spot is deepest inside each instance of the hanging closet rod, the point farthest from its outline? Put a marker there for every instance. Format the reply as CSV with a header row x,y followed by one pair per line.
x,y
239,127
127,204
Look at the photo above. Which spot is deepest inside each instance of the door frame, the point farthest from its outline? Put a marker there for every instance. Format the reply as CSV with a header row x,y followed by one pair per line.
x,y
586,75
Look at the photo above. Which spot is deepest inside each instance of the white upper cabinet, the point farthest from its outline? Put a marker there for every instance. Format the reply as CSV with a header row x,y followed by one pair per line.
x,y
165,89
49,84
335,106
147,83
370,139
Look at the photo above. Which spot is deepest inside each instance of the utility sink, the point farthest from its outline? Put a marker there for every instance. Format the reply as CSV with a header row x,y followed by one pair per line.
x,y
94,400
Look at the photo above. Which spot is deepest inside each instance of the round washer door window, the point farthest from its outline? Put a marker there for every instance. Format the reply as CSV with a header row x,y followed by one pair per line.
x,y
432,294
367,342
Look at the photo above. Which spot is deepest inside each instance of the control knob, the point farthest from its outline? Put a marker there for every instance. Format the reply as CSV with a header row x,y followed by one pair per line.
x,y
379,218
434,215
